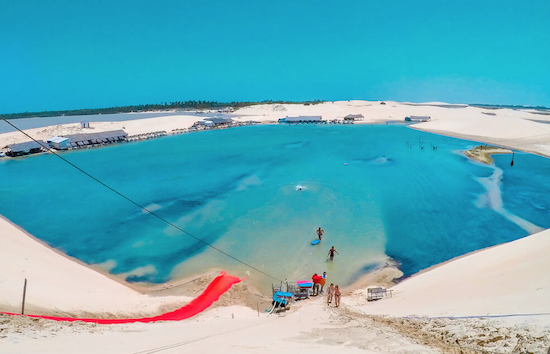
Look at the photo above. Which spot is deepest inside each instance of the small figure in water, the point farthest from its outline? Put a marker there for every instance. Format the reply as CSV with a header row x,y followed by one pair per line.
x,y
320,233
331,253
323,281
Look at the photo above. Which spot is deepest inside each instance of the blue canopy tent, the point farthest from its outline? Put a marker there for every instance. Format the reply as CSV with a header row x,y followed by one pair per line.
x,y
282,297
281,300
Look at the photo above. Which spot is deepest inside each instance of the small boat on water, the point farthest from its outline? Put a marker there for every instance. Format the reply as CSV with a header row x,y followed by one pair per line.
x,y
2,154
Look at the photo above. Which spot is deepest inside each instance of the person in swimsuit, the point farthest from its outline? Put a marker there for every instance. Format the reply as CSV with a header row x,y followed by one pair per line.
x,y
331,253
337,294
320,233
330,294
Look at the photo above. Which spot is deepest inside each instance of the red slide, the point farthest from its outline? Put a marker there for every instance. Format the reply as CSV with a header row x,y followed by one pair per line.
x,y
220,285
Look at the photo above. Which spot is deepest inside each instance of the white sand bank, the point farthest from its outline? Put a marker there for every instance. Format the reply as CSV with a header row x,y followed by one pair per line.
x,y
132,127
59,285
234,330
508,127
309,325
517,129
511,278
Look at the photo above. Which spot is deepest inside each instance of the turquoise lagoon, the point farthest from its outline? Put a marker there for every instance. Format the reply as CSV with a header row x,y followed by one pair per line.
x,y
259,193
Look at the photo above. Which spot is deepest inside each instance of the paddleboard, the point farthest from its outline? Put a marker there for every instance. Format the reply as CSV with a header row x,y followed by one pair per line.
x,y
314,242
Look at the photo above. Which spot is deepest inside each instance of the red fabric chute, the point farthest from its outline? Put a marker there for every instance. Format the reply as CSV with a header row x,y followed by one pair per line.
x,y
217,287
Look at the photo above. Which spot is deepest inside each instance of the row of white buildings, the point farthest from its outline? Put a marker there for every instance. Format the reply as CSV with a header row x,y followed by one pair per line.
x,y
348,118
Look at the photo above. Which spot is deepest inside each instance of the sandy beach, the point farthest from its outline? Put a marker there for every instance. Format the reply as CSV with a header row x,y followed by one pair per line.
x,y
484,153
493,300
515,129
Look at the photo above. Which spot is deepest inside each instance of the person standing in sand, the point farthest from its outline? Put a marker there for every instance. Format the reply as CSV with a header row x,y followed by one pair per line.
x,y
337,294
323,281
330,294
331,253
320,233
316,281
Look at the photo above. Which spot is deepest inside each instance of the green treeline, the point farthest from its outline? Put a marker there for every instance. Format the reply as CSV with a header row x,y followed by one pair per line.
x,y
183,105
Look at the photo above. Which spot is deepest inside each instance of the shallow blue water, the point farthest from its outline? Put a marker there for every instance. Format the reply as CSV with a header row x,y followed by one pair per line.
x,y
372,189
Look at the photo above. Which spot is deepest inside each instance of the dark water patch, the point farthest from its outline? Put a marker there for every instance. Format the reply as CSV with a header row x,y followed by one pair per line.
x,y
143,279
517,193
443,242
365,269
295,145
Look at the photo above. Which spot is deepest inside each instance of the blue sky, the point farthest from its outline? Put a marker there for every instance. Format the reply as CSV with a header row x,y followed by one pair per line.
x,y
84,54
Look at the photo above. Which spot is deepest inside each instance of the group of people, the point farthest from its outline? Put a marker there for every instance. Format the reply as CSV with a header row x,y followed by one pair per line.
x,y
333,292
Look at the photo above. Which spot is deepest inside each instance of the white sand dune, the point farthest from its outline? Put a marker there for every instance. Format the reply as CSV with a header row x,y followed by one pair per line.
x,y
132,127
518,129
226,330
58,285
508,279
504,280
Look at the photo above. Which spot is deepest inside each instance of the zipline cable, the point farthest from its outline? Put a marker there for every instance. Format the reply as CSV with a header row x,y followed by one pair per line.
x,y
141,206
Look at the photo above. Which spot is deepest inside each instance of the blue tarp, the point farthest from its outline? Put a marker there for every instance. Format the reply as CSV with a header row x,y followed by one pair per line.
x,y
280,297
